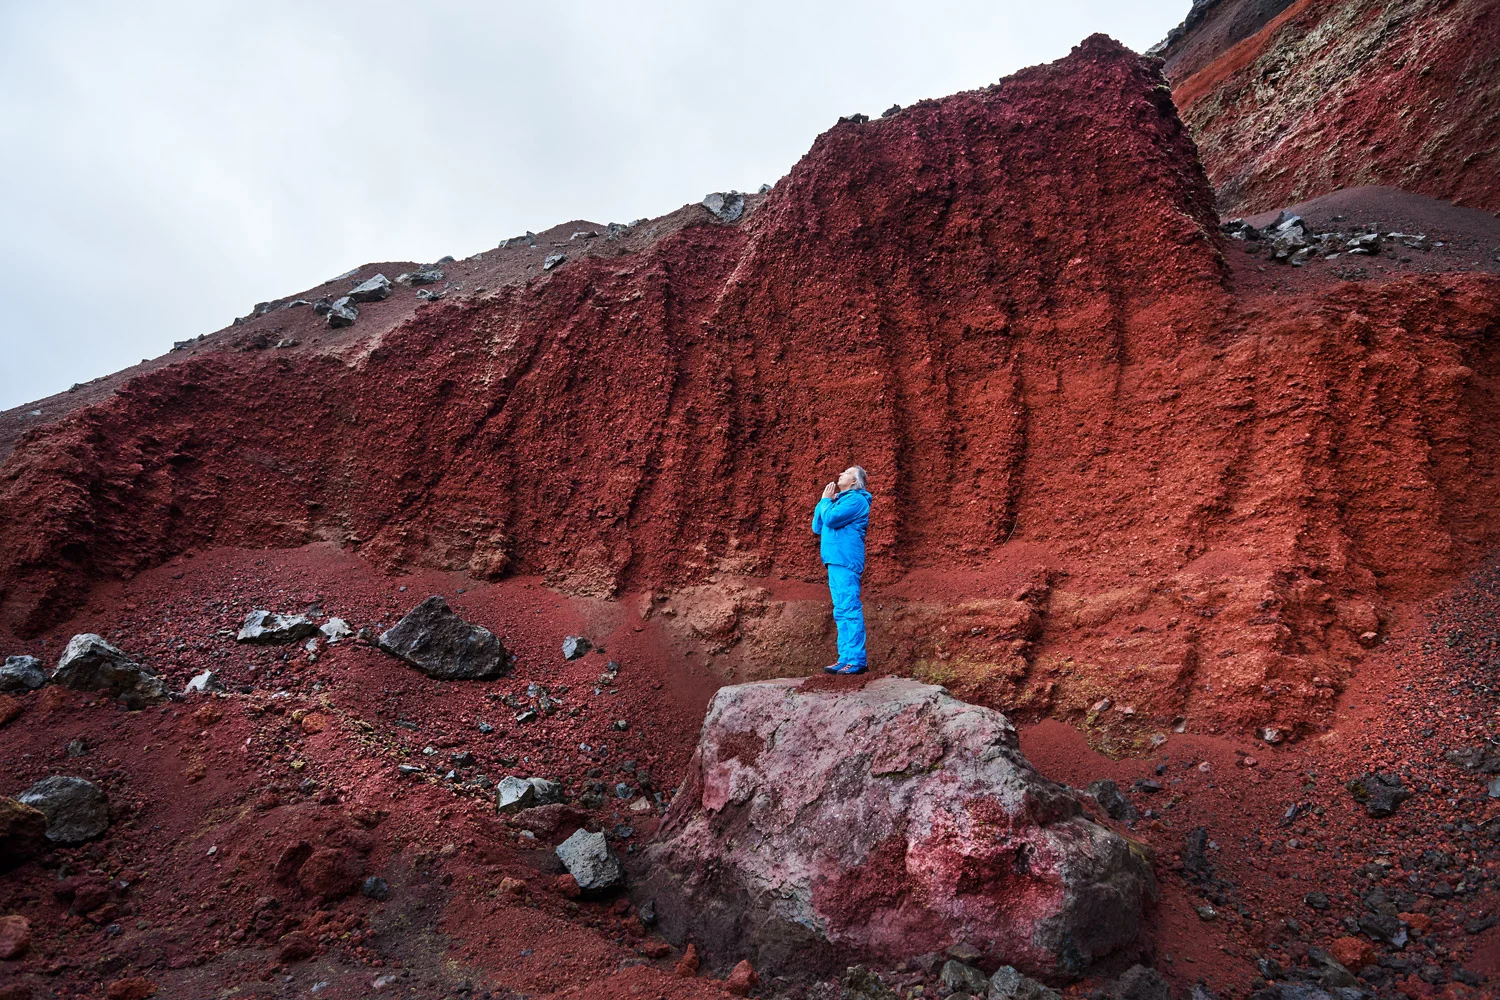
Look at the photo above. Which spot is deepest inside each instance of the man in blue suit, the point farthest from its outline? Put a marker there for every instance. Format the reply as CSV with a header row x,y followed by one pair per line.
x,y
840,520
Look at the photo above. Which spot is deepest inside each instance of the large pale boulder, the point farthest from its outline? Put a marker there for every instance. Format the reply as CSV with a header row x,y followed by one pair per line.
x,y
821,823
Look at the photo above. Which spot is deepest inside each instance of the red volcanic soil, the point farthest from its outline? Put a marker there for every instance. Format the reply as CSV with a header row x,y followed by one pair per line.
x,y
1343,93
1135,483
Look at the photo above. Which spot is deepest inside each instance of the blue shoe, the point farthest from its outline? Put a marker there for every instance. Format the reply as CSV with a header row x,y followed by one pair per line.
x,y
834,668
850,668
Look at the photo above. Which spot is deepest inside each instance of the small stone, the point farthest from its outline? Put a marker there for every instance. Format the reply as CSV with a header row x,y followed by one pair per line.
x,y
1316,900
1009,984
134,988
687,965
959,977
335,629
375,887
588,859
742,979
554,260
575,646
76,809
1141,983
1112,800
1102,705
622,725
1271,734
296,946
725,206
15,936
425,275
1207,913
462,759
77,747
342,312
485,728
205,683
372,290
1380,792
512,886
513,794
263,627
22,673
428,294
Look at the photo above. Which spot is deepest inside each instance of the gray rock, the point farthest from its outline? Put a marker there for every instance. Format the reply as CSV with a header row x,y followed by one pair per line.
x,y
725,206
529,240
960,978
205,683
592,864
547,792
373,290
1483,758
765,189
513,794
553,261
265,627
1112,800
91,664
1009,984
442,645
22,673
342,313
1384,927
375,887
1367,243
76,809
1140,983
1330,971
296,304
322,306
425,275
335,629
1380,792
428,295
575,646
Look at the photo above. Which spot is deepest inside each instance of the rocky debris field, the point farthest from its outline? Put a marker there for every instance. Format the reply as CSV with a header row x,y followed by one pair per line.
x,y
337,816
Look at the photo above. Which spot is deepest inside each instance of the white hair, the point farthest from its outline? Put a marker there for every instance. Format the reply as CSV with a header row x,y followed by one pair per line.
x,y
859,475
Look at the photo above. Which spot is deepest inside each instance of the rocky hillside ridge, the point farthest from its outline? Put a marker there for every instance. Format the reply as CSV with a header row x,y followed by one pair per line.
x,y
1341,93
1102,467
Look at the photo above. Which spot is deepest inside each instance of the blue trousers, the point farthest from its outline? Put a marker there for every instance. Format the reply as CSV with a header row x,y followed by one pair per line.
x,y
848,614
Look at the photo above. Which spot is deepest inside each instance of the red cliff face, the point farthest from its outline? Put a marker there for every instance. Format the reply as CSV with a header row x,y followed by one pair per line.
x,y
1099,465
1330,94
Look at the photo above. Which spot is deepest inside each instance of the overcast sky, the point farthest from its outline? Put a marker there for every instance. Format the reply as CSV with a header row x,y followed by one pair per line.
x,y
164,166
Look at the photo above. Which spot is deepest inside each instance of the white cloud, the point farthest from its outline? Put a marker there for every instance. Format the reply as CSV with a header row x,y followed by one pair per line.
x,y
163,166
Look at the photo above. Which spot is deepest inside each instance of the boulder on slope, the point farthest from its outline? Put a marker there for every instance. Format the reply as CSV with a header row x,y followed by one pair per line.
x,y
76,809
89,663
439,643
22,673
818,825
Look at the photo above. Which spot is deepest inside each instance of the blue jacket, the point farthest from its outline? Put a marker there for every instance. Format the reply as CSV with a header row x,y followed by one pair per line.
x,y
840,523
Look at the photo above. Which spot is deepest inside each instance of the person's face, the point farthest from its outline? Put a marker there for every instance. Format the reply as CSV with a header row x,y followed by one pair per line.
x,y
847,480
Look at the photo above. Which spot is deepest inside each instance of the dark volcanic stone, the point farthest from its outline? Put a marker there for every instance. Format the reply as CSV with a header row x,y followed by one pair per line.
x,y
1380,792
76,809
441,644
1112,800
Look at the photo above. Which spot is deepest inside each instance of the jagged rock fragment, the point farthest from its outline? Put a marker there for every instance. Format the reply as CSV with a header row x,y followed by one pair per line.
x,y
373,290
76,809
1380,792
342,312
439,643
725,206
592,864
89,663
268,627
22,673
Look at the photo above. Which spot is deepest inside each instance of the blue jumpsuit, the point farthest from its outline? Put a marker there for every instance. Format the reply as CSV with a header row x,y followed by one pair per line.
x,y
840,524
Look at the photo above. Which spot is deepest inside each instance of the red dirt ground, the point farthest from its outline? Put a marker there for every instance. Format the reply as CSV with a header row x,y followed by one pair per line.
x,y
1115,456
